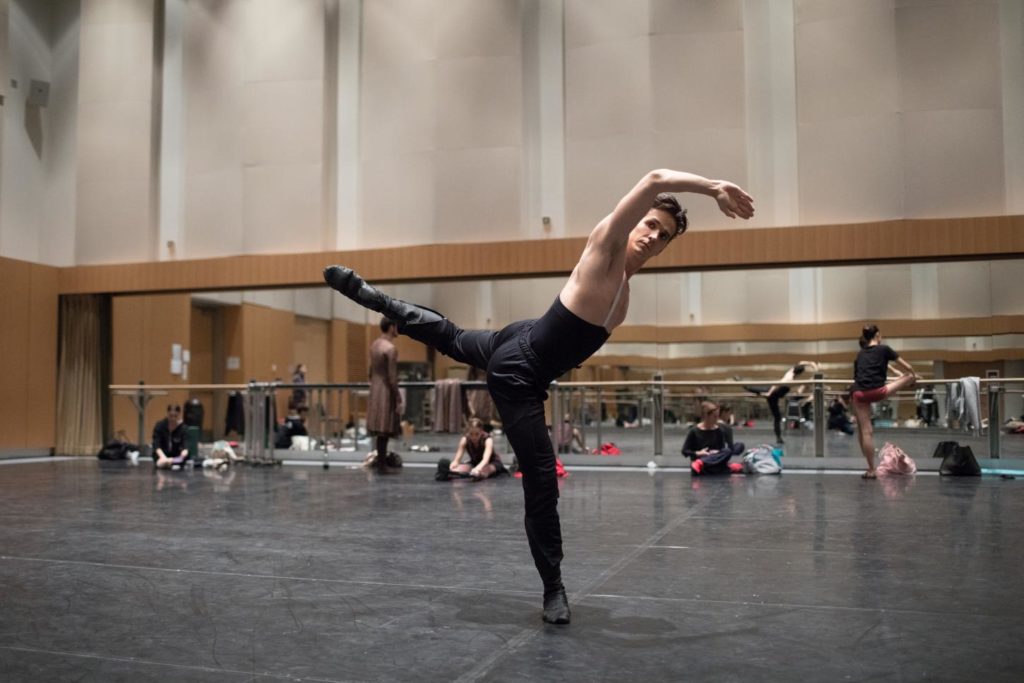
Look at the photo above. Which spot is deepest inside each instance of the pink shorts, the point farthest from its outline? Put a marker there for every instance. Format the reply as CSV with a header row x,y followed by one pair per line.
x,y
870,395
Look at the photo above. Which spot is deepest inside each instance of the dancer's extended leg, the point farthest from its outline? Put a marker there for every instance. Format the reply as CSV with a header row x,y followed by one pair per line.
x,y
473,347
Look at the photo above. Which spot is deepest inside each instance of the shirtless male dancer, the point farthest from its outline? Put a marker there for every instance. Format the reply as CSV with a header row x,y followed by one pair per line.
x,y
522,359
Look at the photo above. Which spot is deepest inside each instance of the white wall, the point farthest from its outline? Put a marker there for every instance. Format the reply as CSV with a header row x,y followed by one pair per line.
x,y
441,122
895,108
254,105
38,155
115,163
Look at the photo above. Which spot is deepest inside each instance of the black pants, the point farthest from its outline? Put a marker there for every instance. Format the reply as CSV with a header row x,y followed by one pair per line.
x,y
773,399
717,462
517,380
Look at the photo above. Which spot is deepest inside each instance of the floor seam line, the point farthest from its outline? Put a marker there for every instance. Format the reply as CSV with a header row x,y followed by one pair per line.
x,y
844,608
148,662
311,579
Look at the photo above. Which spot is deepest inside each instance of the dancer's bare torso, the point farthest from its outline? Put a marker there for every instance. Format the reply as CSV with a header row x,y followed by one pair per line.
x,y
594,283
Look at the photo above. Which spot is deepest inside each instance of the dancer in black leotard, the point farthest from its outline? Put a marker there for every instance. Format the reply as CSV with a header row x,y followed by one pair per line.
x,y
777,392
522,359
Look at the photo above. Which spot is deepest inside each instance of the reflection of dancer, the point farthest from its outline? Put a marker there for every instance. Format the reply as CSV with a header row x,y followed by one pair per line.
x,y
523,358
869,375
567,436
777,392
383,414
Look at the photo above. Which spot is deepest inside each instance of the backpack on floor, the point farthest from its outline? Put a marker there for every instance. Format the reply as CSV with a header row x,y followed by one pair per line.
x,y
960,463
892,460
944,448
762,460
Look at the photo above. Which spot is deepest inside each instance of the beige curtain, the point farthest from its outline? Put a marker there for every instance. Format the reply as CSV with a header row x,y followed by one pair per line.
x,y
80,375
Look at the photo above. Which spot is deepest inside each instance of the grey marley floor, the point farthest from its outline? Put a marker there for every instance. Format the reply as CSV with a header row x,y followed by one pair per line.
x,y
109,572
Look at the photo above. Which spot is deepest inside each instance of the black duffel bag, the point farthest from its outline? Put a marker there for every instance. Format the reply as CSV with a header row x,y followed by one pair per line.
x,y
960,462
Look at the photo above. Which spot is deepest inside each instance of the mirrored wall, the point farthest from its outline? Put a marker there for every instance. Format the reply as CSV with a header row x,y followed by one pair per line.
x,y
950,319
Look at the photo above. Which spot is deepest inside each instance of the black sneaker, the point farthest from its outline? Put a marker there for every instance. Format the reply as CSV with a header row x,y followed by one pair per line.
x,y
556,608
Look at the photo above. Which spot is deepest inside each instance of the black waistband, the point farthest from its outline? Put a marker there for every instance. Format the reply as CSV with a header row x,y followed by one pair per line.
x,y
561,340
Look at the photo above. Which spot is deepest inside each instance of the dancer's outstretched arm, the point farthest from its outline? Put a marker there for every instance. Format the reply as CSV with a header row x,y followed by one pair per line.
x,y
615,228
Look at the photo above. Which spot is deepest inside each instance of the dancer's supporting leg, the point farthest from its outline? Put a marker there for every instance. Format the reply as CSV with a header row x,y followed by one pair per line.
x,y
865,432
522,418
382,453
862,401
773,399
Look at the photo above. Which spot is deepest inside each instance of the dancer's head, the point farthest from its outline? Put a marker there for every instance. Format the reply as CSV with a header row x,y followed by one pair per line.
x,y
803,366
709,411
475,428
665,221
173,414
387,325
869,334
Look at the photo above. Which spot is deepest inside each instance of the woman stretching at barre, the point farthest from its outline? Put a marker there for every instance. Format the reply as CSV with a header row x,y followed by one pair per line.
x,y
869,386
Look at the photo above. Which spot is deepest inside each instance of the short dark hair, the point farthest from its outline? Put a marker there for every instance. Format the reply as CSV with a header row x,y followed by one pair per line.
x,y
668,203
386,324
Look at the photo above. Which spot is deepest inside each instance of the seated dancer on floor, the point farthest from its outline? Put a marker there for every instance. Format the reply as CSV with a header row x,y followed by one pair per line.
x,y
709,444
484,461
869,386
522,359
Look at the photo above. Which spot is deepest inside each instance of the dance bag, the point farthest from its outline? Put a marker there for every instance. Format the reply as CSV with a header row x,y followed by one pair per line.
x,y
892,460
762,460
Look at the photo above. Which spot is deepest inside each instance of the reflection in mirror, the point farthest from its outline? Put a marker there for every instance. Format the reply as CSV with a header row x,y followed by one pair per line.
x,y
949,319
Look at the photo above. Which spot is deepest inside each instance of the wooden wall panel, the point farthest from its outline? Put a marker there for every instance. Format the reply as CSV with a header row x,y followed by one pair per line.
x,y
267,346
143,329
943,327
200,370
126,357
878,242
312,347
358,361
28,355
15,280
233,345
41,393
648,362
410,350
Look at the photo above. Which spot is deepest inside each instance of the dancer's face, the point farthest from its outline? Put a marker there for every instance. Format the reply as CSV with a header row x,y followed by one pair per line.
x,y
651,235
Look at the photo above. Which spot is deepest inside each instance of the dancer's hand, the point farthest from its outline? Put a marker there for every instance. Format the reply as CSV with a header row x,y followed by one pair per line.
x,y
732,200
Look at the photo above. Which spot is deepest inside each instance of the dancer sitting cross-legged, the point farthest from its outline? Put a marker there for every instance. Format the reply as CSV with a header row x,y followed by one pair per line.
x,y
484,461
709,444
523,358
